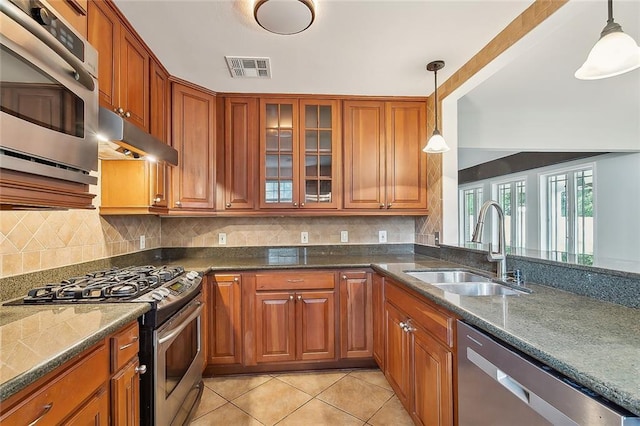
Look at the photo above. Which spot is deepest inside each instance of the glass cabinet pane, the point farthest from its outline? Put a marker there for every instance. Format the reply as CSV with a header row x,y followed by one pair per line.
x,y
325,140
272,140
286,140
325,166
325,117
318,155
311,166
286,166
286,116
271,166
311,140
272,115
311,116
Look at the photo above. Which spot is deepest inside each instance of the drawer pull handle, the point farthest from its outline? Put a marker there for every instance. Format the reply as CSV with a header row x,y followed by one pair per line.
x,y
128,345
45,410
299,280
141,369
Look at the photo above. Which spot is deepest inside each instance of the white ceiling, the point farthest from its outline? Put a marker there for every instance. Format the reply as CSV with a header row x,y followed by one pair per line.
x,y
534,103
354,47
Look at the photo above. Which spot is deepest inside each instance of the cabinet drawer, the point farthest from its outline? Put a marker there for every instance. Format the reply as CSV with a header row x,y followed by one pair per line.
x,y
124,346
55,400
437,323
295,280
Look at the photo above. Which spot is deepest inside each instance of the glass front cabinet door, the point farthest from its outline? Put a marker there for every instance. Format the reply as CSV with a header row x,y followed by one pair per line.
x,y
299,153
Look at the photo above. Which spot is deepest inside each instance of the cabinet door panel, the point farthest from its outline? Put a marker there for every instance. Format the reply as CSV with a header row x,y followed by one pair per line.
x,y
316,322
134,80
397,354
125,392
275,327
378,319
432,372
93,412
364,145
240,142
104,35
406,163
355,315
194,138
225,331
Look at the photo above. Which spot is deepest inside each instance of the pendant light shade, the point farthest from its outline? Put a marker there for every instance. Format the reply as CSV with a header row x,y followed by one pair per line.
x,y
614,54
436,143
284,16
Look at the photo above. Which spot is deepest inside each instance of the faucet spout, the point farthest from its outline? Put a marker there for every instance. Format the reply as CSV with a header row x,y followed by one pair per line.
x,y
500,256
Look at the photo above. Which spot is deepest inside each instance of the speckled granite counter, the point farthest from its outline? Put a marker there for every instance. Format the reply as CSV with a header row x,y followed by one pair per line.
x,y
593,342
35,340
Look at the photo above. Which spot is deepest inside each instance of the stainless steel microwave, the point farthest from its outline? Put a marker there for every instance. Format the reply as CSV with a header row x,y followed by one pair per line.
x,y
48,94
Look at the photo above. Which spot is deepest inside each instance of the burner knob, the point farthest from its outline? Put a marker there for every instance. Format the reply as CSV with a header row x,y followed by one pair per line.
x,y
164,291
192,275
156,295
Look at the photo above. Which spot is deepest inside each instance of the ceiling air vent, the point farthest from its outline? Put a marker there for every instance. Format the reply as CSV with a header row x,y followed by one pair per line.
x,y
244,67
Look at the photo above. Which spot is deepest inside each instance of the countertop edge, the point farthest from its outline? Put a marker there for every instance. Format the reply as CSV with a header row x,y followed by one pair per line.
x,y
18,383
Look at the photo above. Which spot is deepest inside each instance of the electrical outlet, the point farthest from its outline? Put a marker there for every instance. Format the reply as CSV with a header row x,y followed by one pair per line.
x,y
382,236
344,236
222,238
304,237
143,242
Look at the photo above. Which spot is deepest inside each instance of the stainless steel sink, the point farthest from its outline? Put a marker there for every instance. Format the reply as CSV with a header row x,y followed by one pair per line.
x,y
437,277
478,289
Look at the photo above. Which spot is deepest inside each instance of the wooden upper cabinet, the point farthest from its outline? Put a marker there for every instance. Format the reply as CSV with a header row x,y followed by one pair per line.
x,y
193,136
240,149
123,65
364,145
384,166
299,153
406,164
75,13
159,126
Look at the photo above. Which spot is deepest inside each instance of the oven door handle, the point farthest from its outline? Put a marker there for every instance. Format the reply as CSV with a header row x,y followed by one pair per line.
x,y
34,28
183,324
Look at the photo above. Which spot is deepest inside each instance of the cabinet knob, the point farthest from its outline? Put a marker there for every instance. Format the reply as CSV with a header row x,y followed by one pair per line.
x,y
291,297
389,205
179,203
119,110
299,297
402,325
157,200
301,204
228,205
141,369
236,279
344,277
382,205
127,114
295,204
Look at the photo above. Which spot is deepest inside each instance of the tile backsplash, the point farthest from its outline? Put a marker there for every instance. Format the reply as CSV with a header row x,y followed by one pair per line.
x,y
38,240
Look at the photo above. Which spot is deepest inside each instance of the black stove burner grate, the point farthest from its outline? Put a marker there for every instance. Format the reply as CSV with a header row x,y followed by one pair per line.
x,y
110,285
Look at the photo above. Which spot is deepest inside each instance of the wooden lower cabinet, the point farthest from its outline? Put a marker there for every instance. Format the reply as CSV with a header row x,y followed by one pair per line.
x,y
223,317
295,325
377,292
125,391
100,383
356,325
419,364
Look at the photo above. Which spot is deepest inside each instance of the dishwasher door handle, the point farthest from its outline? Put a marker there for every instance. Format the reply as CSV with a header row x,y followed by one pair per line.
x,y
535,402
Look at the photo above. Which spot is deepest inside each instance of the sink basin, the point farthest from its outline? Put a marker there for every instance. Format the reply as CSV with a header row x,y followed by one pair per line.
x,y
477,289
437,277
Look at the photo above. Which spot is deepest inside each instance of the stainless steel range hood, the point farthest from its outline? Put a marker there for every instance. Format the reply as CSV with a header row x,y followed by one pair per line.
x,y
131,138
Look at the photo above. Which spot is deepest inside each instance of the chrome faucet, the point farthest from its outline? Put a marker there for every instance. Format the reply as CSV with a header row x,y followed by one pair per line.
x,y
501,255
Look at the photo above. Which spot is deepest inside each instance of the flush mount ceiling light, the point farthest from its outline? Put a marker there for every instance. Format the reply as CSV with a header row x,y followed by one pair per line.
x,y
436,142
284,16
614,54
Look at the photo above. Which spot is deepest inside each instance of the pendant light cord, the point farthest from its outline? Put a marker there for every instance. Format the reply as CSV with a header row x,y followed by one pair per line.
x,y
610,6
435,77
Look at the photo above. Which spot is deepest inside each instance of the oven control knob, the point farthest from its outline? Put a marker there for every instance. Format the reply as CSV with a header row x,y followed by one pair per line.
x,y
41,15
164,291
156,295
192,275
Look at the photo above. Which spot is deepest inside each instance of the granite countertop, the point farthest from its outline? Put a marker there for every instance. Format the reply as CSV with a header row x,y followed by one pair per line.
x,y
35,340
593,342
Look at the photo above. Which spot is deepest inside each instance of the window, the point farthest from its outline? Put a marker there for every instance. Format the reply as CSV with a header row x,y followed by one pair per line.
x,y
569,204
471,203
512,198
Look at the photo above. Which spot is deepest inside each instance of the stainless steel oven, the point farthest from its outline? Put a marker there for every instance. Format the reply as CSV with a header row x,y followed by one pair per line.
x,y
49,96
178,365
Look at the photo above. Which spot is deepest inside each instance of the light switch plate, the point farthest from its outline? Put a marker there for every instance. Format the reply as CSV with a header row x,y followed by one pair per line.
x,y
304,237
382,236
222,238
143,242
344,236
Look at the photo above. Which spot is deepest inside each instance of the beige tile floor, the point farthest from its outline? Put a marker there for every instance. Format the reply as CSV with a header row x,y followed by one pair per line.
x,y
333,397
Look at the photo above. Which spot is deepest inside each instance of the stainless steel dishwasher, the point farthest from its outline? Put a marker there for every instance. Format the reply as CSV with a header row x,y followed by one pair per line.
x,y
499,386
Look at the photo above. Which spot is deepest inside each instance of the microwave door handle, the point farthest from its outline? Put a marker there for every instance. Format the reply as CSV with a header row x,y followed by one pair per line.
x,y
34,28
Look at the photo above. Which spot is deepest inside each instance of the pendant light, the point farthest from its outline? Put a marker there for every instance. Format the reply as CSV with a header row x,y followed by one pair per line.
x,y
436,142
614,54
284,16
